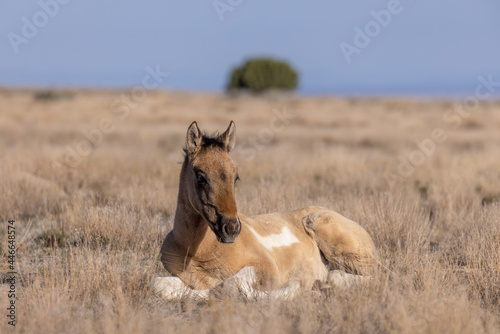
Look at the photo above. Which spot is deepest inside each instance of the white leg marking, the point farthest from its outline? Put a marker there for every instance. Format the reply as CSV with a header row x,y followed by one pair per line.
x,y
284,238
172,288
243,282
288,292
343,280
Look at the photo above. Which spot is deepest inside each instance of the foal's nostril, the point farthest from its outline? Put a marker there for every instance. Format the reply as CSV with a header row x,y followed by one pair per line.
x,y
224,231
239,225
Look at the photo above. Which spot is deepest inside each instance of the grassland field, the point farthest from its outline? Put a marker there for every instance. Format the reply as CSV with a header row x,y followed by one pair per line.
x,y
91,179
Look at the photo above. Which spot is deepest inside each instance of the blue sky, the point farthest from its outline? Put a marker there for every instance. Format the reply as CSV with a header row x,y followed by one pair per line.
x,y
429,48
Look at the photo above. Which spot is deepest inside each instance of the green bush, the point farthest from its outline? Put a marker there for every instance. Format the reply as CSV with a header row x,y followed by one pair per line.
x,y
262,74
51,95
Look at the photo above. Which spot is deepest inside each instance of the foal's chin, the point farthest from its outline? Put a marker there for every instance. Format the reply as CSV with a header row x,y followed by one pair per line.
x,y
225,238
228,240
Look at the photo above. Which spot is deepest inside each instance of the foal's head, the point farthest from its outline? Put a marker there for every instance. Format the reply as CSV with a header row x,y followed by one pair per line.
x,y
210,176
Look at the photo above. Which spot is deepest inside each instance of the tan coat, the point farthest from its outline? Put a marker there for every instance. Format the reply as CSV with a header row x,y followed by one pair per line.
x,y
211,241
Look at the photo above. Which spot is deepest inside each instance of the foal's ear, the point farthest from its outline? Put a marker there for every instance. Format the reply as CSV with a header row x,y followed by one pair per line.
x,y
229,137
193,138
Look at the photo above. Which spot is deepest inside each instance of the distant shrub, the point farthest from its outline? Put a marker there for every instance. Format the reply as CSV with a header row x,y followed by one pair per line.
x,y
51,95
261,74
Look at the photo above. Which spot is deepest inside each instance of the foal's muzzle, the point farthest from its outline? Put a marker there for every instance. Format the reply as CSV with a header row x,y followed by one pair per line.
x,y
227,229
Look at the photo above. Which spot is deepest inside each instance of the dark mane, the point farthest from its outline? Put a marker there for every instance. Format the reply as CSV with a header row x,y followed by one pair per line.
x,y
213,140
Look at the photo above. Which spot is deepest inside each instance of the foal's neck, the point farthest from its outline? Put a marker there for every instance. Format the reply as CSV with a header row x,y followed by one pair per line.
x,y
191,231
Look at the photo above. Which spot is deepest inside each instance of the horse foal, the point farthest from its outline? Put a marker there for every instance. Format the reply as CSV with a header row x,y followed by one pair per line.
x,y
212,245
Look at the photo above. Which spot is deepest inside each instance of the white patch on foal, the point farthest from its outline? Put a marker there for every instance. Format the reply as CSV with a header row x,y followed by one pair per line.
x,y
285,238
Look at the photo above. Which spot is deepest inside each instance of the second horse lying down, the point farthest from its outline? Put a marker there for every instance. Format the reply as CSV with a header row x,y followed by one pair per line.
x,y
213,245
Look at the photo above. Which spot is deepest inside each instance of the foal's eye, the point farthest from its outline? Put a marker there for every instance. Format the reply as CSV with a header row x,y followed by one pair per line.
x,y
236,178
201,180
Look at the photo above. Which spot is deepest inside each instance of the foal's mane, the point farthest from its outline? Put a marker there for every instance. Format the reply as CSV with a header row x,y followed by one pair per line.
x,y
208,141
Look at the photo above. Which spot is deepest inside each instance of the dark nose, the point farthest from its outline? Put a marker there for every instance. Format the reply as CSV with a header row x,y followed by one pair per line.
x,y
230,229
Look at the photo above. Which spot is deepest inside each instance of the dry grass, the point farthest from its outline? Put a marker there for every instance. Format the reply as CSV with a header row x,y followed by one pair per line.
x,y
89,235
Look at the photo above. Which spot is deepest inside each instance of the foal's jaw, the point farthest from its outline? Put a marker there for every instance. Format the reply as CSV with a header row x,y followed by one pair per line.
x,y
210,181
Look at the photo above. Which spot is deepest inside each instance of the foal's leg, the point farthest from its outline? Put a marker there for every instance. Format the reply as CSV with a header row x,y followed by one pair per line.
x,y
240,284
243,282
345,244
288,292
172,288
343,280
